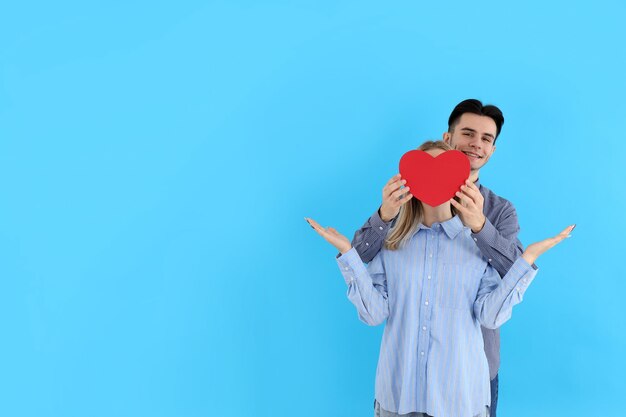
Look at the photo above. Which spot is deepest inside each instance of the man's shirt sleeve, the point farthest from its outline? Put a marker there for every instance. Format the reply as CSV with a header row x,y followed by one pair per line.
x,y
368,240
498,242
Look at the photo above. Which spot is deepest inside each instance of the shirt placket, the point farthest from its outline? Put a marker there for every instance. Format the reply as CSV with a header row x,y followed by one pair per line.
x,y
426,307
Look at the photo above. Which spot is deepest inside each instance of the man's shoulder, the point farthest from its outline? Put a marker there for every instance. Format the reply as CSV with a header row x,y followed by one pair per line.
x,y
494,200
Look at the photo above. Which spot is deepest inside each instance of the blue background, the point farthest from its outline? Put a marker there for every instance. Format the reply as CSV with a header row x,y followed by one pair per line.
x,y
157,160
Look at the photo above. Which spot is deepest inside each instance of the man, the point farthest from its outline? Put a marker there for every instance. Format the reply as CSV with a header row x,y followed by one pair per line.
x,y
472,129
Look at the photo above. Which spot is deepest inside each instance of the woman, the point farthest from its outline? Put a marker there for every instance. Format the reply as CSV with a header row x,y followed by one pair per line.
x,y
435,289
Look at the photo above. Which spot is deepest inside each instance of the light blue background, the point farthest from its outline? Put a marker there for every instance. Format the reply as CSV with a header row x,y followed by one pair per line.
x,y
157,159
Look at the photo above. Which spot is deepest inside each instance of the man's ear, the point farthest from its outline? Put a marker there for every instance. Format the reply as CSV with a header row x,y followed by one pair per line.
x,y
446,137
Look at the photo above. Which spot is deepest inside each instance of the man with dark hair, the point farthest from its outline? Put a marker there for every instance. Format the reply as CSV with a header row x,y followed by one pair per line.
x,y
472,129
474,106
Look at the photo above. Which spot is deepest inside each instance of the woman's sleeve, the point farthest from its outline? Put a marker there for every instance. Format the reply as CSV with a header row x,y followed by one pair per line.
x,y
367,286
496,298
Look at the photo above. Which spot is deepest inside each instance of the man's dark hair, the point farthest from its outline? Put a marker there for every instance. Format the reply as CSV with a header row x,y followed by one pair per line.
x,y
476,107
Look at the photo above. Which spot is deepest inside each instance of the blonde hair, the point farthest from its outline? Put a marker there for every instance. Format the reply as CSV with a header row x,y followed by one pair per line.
x,y
411,213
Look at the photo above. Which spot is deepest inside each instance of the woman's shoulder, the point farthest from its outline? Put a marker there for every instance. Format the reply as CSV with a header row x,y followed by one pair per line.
x,y
464,249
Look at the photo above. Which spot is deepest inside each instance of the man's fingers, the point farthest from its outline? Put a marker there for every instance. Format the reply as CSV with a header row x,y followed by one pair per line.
x,y
470,189
471,192
396,195
393,187
393,179
471,185
463,197
406,199
402,199
466,200
458,206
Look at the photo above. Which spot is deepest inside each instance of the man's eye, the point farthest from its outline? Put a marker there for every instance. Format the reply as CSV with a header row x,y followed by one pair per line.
x,y
466,134
487,140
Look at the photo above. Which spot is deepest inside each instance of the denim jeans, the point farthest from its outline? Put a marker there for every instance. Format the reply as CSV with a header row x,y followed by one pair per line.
x,y
494,396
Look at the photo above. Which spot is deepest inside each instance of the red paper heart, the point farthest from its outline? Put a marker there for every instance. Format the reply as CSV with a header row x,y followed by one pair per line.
x,y
434,180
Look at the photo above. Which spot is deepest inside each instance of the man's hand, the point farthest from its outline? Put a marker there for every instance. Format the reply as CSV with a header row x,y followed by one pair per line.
x,y
470,207
332,236
393,198
533,251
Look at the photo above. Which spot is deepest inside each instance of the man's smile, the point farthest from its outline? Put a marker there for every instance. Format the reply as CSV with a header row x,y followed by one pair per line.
x,y
472,154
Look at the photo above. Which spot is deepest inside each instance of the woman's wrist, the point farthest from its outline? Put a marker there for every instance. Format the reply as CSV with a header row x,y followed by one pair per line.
x,y
528,257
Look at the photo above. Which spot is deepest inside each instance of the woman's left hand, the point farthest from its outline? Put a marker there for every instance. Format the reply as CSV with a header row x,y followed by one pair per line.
x,y
332,236
533,251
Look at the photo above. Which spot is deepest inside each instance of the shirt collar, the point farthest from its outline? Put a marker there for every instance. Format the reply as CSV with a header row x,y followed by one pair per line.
x,y
477,182
451,227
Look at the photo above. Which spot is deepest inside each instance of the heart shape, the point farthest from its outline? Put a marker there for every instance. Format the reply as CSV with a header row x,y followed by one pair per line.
x,y
434,180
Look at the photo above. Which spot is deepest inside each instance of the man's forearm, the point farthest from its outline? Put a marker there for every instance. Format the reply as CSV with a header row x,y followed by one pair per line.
x,y
500,251
369,239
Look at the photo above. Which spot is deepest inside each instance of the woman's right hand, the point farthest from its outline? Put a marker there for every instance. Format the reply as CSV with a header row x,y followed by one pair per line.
x,y
332,236
533,251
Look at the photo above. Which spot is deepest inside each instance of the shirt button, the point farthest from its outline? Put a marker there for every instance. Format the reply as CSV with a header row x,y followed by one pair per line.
x,y
426,303
429,277
423,327
489,260
346,268
475,240
422,353
367,244
380,227
431,255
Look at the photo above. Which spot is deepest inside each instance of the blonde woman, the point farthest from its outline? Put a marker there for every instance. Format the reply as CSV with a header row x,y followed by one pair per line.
x,y
435,289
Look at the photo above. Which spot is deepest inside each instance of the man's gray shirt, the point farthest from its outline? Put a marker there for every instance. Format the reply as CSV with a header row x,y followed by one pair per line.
x,y
497,241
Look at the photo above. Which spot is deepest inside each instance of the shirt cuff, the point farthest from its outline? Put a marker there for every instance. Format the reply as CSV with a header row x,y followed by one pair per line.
x,y
379,225
350,265
487,234
519,276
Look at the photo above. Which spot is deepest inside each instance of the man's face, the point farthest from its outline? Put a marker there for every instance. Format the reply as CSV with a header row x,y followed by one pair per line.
x,y
474,136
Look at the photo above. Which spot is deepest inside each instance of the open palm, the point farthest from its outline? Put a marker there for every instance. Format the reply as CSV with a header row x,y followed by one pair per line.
x,y
534,250
332,236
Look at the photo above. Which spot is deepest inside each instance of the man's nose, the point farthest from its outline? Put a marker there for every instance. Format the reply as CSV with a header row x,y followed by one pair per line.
x,y
475,142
